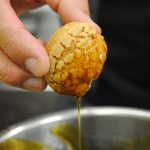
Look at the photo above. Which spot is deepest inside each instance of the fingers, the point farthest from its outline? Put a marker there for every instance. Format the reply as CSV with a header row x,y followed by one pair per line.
x,y
73,10
21,6
11,74
19,45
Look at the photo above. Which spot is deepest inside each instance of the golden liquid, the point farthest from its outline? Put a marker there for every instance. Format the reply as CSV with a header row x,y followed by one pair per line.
x,y
139,143
79,123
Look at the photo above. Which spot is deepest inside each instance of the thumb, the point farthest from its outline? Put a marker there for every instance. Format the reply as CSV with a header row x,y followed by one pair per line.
x,y
73,10
19,45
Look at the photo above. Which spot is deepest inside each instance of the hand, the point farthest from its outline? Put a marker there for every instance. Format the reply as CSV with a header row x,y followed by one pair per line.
x,y
23,59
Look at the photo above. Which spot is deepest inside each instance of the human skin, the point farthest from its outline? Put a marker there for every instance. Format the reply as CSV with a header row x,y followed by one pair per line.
x,y
23,59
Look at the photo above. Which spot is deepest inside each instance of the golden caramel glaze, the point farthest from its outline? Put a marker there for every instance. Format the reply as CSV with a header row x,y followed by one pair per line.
x,y
77,54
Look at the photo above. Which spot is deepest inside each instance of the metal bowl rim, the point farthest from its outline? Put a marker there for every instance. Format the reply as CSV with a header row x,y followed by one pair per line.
x,y
71,114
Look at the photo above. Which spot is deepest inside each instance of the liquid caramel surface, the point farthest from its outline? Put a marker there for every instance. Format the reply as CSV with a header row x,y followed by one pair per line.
x,y
64,133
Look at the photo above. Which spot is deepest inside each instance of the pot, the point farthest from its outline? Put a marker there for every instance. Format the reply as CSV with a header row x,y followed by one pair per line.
x,y
101,127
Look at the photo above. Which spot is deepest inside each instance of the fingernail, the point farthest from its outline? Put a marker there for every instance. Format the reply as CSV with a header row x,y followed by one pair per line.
x,y
97,28
32,65
34,84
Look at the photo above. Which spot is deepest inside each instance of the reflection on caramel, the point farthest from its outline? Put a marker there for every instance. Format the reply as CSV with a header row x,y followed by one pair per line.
x,y
77,54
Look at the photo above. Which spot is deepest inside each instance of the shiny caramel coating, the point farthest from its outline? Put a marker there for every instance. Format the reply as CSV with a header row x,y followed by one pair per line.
x,y
77,54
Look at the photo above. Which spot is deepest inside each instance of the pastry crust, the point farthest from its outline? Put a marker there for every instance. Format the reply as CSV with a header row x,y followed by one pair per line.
x,y
77,54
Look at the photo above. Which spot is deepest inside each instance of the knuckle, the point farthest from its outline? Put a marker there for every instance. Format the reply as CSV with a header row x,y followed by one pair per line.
x,y
12,77
3,76
15,79
9,33
9,43
6,38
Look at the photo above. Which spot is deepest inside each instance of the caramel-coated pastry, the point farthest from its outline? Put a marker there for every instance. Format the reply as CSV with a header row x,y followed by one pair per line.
x,y
77,54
